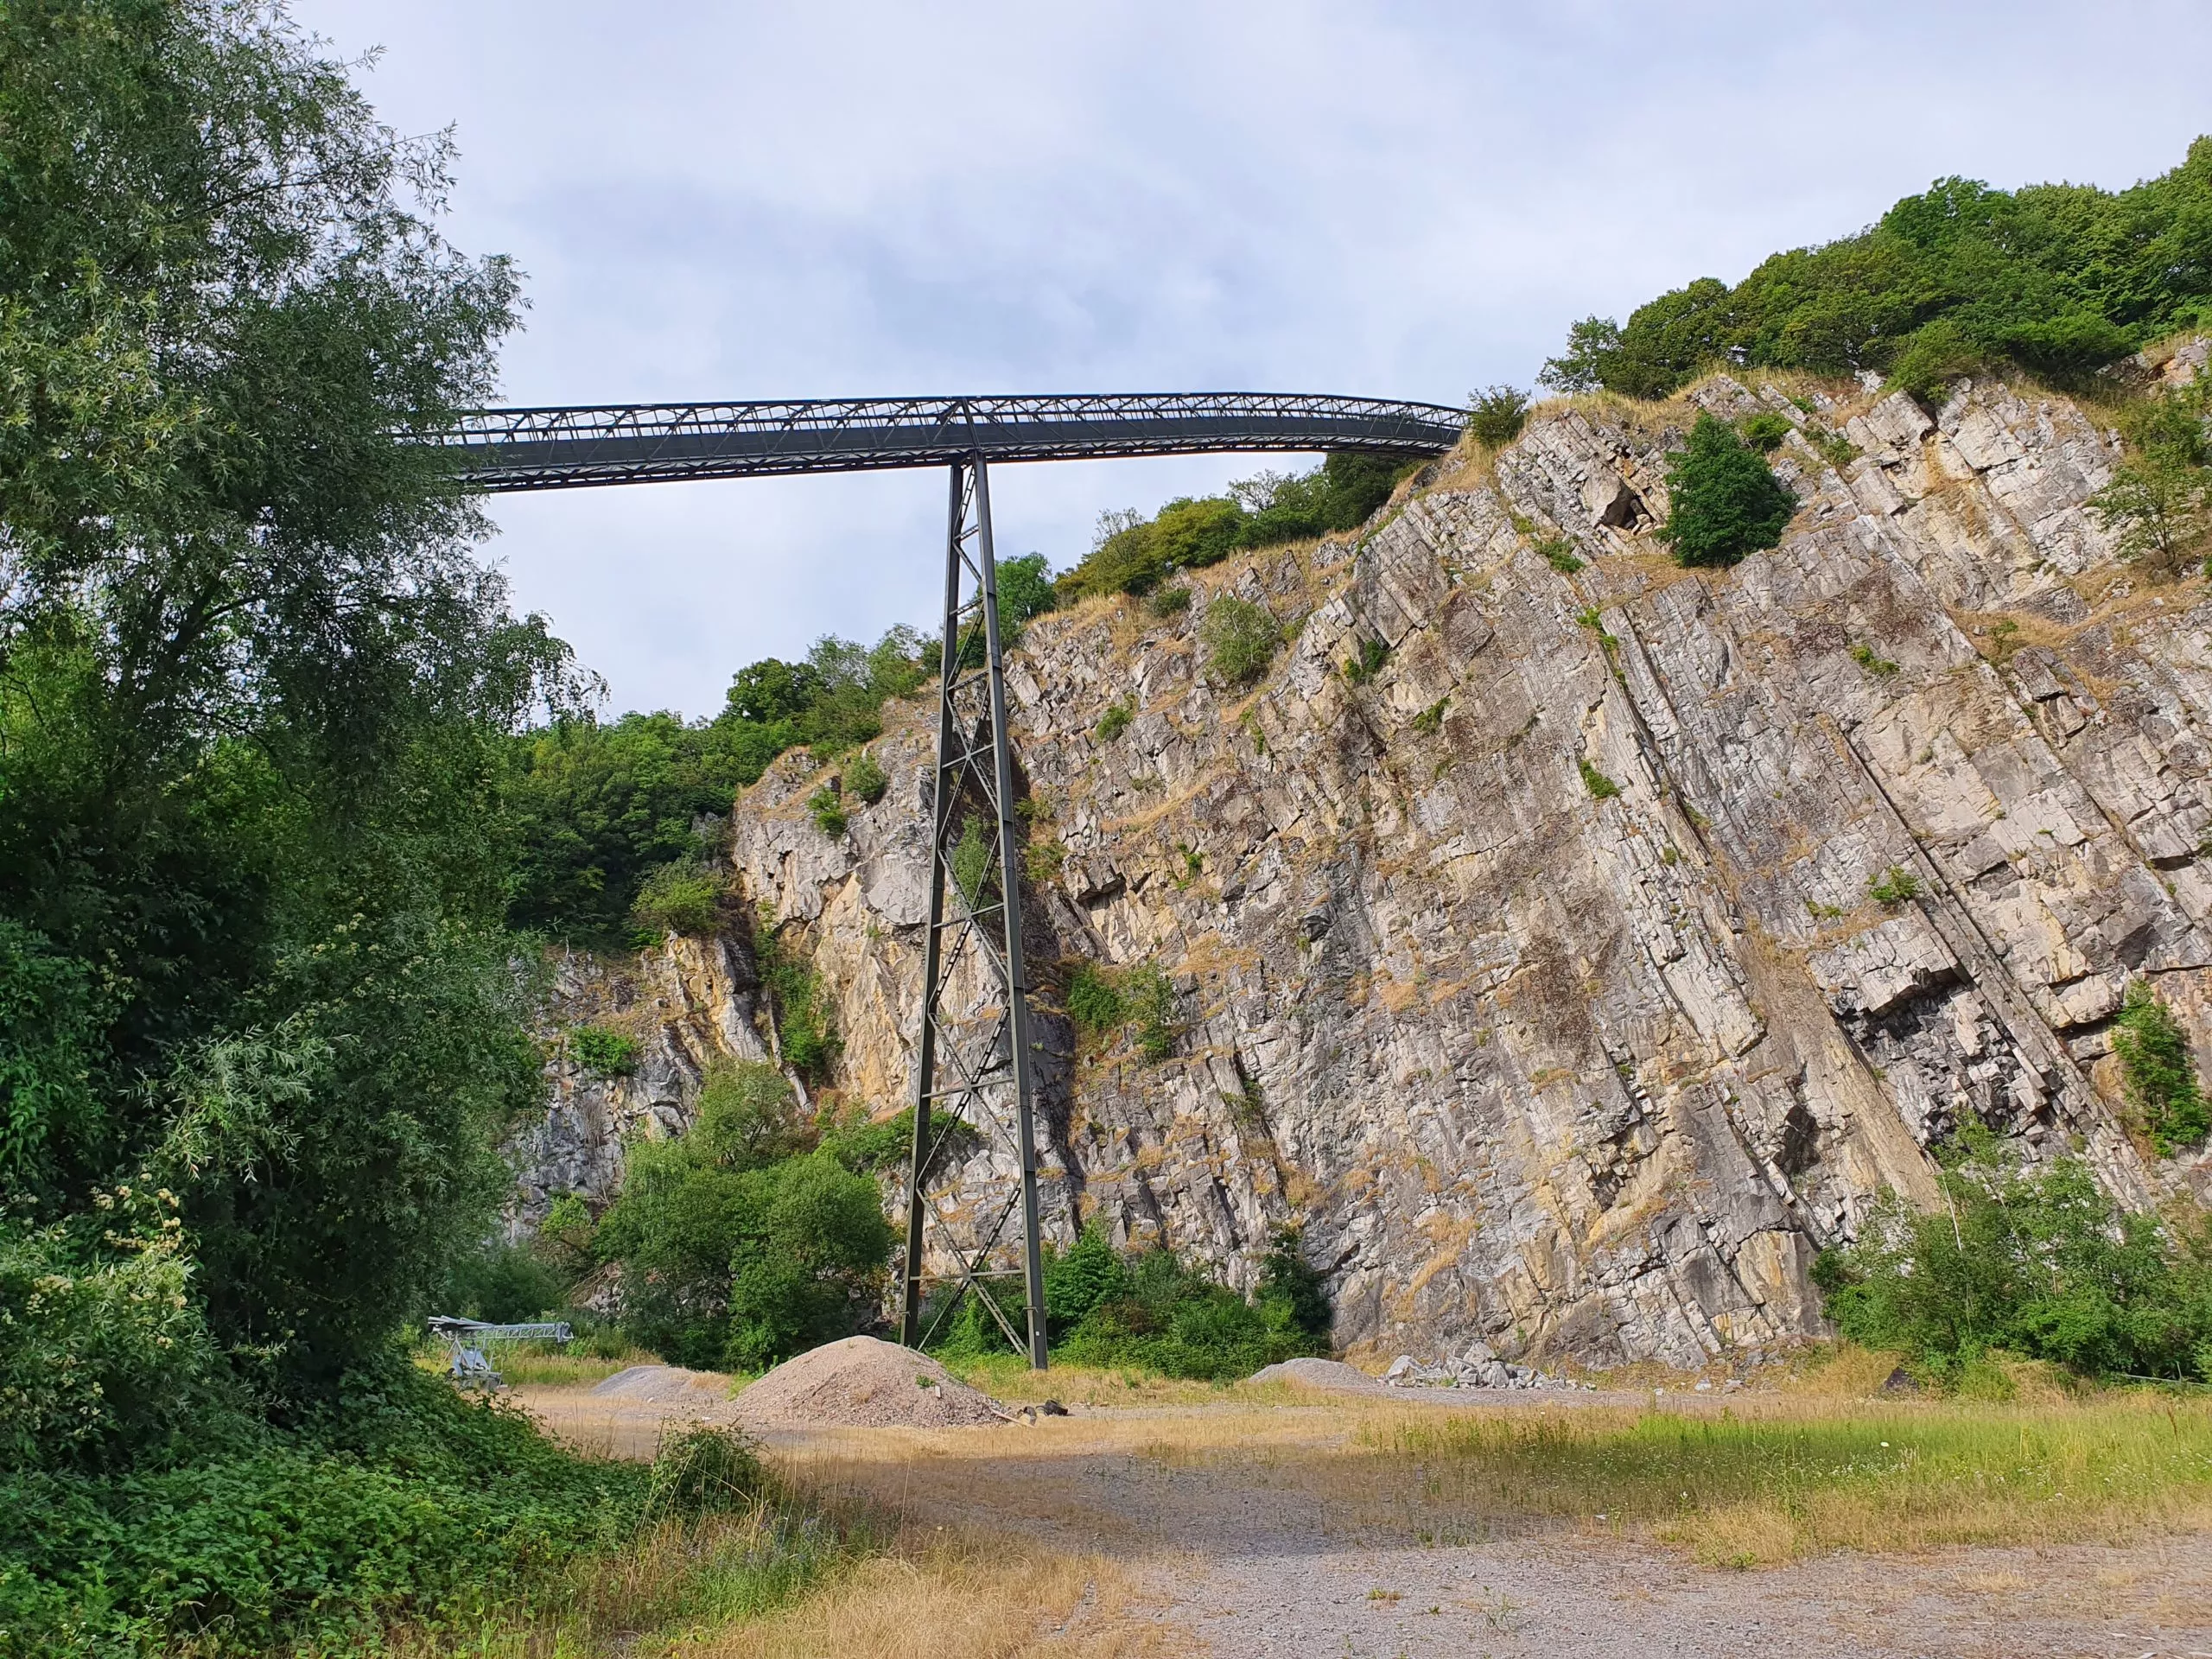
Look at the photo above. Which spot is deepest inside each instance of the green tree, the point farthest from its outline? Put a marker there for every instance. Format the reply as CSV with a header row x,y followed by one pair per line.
x,y
254,687
2059,278
2160,1072
1725,502
744,1241
2041,1264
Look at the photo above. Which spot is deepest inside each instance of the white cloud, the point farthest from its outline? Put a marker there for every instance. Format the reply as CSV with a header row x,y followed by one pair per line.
x,y
1409,200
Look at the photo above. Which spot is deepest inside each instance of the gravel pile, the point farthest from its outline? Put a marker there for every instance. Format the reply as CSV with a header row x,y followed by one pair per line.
x,y
862,1383
1332,1374
666,1385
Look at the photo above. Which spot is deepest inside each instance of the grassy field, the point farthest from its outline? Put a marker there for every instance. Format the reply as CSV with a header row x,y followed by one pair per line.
x,y
1766,1481
874,1545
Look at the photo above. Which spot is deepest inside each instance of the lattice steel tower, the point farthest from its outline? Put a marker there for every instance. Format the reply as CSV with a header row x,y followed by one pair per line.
x,y
973,1065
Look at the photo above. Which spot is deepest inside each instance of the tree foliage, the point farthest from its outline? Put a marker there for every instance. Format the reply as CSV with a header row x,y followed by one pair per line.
x,y
1134,554
254,687
2040,1264
2160,1072
1724,502
620,823
2058,278
750,1238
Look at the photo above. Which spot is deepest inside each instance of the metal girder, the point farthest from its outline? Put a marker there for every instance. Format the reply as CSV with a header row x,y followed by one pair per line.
x,y
503,450
972,1062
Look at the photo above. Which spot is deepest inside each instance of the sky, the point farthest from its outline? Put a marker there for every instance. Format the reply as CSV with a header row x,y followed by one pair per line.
x,y
733,202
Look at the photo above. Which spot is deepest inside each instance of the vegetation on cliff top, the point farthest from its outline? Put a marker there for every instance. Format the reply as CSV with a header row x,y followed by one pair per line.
x,y
2058,278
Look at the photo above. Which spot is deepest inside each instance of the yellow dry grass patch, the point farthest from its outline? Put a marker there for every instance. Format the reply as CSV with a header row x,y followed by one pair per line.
x,y
957,1595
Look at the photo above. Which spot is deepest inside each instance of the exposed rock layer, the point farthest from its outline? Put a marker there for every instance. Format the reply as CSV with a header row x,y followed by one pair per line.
x,y
1564,1069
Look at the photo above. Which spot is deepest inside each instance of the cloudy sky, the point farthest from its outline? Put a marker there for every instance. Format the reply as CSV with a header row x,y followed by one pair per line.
x,y
754,200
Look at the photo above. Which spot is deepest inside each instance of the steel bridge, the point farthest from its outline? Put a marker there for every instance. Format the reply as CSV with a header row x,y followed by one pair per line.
x,y
648,443
974,1066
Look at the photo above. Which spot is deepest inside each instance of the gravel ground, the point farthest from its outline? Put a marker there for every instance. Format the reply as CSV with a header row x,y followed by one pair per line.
x,y
1242,1560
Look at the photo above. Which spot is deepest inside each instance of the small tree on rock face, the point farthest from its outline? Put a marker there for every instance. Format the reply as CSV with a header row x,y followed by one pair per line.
x,y
1725,502
2160,1076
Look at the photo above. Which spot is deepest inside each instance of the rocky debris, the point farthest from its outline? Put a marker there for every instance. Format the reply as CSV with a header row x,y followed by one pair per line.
x,y
861,1382
1478,1367
1330,1374
1603,1071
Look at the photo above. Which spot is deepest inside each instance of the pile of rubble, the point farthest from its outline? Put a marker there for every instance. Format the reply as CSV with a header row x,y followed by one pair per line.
x,y
1478,1367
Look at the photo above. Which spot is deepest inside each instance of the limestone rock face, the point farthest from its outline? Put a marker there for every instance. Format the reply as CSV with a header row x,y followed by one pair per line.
x,y
1543,975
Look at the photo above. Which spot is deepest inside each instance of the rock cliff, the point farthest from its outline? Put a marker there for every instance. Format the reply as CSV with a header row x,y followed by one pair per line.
x,y
1576,974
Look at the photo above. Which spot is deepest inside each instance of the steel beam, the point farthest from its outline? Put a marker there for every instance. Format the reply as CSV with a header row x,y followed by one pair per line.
x,y
972,1055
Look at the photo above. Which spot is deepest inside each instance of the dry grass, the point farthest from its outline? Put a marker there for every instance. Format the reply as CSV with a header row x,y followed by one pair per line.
x,y
941,1593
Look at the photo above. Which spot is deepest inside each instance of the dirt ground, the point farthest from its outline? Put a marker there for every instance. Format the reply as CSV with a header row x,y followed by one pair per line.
x,y
1245,1543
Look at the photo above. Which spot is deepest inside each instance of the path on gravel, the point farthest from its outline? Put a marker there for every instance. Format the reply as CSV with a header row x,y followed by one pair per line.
x,y
1253,1541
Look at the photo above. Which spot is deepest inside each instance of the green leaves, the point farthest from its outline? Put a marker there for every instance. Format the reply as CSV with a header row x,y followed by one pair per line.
x,y
2039,1263
2160,1072
1725,503
2059,278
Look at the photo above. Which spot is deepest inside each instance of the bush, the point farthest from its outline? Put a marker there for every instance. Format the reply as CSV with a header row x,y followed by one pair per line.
x,y
602,1053
865,777
503,1284
1895,885
1171,600
750,1238
405,1504
2042,1265
2158,1073
826,806
1364,664
1150,997
804,1029
1094,1000
2160,496
1595,781
680,897
1116,720
1496,415
1559,553
1765,431
1240,638
1155,1310
1724,502
1134,554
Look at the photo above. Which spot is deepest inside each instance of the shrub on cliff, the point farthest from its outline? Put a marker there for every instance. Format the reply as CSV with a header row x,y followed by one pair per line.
x,y
1725,502
2058,278
1240,638
2041,1264
2160,1074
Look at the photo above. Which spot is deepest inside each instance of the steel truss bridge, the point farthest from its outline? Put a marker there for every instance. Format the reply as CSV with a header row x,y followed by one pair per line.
x,y
973,1062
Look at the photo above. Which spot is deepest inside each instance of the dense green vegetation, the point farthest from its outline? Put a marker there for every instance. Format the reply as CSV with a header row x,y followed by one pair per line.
x,y
2156,504
1134,554
2039,1264
2160,1076
757,1234
262,1021
1155,1310
1724,502
2059,278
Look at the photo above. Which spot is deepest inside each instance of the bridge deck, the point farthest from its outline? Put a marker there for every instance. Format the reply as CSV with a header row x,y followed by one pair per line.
x,y
574,448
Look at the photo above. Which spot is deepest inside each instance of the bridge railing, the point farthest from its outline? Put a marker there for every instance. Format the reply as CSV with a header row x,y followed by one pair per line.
x,y
569,447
